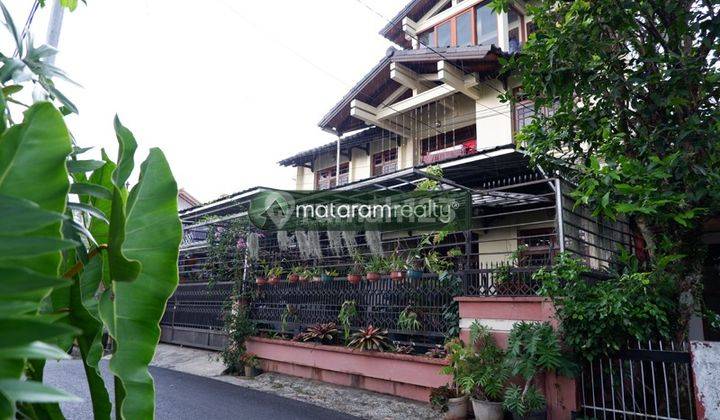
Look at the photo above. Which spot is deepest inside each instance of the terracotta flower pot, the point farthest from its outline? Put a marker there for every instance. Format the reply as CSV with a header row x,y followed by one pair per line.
x,y
273,280
397,275
354,278
293,278
372,277
260,281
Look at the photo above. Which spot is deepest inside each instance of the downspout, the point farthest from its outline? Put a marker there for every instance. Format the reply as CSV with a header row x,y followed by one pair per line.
x,y
559,212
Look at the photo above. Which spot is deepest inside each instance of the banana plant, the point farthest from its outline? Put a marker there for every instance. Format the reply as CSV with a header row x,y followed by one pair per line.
x,y
81,254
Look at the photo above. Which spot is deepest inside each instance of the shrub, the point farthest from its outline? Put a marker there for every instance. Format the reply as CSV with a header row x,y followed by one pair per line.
x,y
238,327
598,318
321,333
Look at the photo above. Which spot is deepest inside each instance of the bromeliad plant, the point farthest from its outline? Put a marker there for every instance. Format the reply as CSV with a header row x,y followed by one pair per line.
x,y
321,333
370,338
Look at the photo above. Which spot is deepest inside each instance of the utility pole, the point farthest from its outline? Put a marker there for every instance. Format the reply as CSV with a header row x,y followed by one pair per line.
x,y
54,28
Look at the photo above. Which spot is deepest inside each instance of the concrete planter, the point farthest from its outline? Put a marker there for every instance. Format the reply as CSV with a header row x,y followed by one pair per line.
x,y
457,408
402,375
487,410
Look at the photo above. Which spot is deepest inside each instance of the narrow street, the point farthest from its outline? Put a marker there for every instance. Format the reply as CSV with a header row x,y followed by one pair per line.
x,y
184,396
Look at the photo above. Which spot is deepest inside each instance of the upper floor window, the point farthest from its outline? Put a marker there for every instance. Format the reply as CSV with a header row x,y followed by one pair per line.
x,y
475,26
463,29
384,162
327,178
486,25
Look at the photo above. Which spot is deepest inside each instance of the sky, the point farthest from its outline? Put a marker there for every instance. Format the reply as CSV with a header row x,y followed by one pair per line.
x,y
226,88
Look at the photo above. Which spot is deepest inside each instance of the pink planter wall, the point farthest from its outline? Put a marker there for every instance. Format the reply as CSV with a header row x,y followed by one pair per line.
x,y
396,374
499,313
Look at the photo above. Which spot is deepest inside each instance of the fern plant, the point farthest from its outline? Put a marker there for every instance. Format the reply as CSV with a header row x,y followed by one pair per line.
x,y
487,373
533,348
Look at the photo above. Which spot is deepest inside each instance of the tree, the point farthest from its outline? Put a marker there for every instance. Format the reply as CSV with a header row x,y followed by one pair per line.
x,y
80,252
634,85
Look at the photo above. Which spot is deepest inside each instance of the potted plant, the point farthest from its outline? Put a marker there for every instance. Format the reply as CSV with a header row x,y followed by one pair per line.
x,y
533,349
261,279
356,270
375,267
438,264
273,275
294,275
487,374
458,356
251,363
328,275
415,261
396,265
370,338
305,275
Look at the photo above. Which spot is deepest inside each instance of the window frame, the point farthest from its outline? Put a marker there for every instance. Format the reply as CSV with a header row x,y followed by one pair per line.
x,y
344,169
382,164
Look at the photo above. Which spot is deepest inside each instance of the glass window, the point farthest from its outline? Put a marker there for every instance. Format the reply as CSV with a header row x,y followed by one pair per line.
x,y
486,26
427,39
444,38
513,31
464,29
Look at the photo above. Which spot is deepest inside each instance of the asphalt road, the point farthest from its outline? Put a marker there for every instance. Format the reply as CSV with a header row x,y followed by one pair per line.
x,y
183,396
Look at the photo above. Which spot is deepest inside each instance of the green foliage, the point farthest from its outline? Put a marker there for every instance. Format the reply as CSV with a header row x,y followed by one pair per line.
x,y
348,311
224,260
237,328
533,348
79,252
408,320
250,359
486,375
289,314
451,311
395,261
599,318
321,333
439,398
634,86
376,264
370,338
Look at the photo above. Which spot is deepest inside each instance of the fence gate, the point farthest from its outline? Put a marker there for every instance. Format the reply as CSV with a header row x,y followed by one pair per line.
x,y
652,380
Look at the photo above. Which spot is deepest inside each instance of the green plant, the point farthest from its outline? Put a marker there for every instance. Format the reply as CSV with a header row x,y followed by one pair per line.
x,y
223,261
402,349
408,320
503,274
632,91
311,272
598,318
395,262
298,270
321,333
274,271
348,311
436,352
459,359
370,338
533,349
250,359
80,251
439,398
358,265
487,374
331,272
376,264
237,328
290,314
438,264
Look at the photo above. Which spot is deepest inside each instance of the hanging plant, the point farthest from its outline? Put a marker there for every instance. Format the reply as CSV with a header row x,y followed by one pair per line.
x,y
350,241
285,242
335,241
373,239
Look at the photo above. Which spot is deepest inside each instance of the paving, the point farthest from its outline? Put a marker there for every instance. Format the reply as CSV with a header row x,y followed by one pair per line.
x,y
186,396
359,403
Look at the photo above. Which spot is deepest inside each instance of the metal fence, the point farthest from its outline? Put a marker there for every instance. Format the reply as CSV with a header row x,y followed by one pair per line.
x,y
651,380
